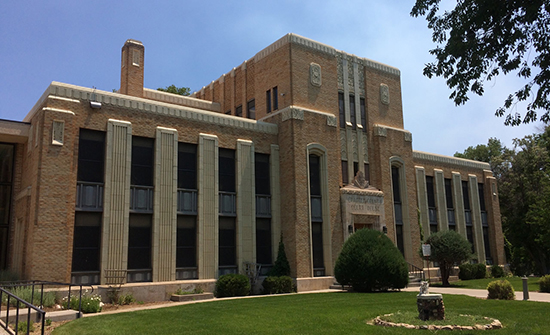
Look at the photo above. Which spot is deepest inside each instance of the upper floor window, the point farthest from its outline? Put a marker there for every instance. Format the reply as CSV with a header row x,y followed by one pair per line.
x,y
143,155
261,168
226,163
275,98
251,109
341,110
352,111
363,114
91,156
239,110
187,166
268,101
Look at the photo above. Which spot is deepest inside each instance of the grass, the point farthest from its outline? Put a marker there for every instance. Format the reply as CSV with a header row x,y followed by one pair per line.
x,y
482,283
322,313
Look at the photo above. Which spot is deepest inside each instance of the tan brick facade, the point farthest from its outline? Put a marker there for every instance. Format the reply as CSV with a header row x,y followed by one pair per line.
x,y
324,103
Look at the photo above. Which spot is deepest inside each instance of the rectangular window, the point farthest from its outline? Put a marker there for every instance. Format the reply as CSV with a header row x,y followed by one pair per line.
x,y
275,98
317,241
345,178
314,175
187,166
227,242
465,195
251,109
268,101
143,157
316,214
341,110
91,156
263,241
186,245
86,241
226,167
481,197
397,208
228,112
450,205
261,172
239,110
363,114
139,242
367,172
352,111
432,210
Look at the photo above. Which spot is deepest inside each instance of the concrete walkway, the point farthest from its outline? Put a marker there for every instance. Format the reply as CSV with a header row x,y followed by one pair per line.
x,y
478,293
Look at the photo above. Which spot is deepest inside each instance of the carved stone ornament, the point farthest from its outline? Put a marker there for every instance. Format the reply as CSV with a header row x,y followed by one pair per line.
x,y
360,181
385,94
315,74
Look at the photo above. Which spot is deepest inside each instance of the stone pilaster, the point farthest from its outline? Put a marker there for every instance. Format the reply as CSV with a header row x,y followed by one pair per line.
x,y
165,205
458,200
246,203
476,218
208,203
116,213
422,199
440,201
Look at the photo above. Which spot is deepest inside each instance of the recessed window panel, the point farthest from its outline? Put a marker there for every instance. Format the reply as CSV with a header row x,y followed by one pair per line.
x,y
143,156
261,173
187,166
139,241
186,245
91,156
86,241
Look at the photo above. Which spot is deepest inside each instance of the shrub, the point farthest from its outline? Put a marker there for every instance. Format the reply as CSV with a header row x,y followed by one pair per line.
x,y
369,261
544,284
22,327
501,289
232,285
25,293
91,303
448,248
8,276
126,299
472,271
277,285
281,266
497,271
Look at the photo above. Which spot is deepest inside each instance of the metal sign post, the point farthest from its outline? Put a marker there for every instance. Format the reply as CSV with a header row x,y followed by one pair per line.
x,y
426,252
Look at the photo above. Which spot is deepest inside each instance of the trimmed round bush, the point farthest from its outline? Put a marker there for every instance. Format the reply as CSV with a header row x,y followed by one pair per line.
x,y
497,271
232,285
369,261
277,285
472,271
544,284
501,289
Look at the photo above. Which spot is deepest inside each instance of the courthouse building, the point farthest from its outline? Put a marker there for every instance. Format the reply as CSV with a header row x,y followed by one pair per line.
x,y
301,141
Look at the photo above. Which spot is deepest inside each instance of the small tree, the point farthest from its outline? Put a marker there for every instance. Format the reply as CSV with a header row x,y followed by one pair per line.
x,y
281,266
448,248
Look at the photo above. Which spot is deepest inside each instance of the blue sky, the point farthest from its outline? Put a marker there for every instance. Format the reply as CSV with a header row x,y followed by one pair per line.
x,y
191,43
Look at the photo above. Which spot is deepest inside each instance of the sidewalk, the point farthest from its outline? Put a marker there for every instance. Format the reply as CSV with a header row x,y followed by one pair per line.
x,y
478,293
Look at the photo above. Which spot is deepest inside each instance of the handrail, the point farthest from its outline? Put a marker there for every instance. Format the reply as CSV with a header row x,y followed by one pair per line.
x,y
416,270
33,283
5,324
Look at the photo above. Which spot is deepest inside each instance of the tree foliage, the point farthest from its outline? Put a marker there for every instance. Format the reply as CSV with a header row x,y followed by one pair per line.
x,y
525,201
479,39
524,191
176,90
448,248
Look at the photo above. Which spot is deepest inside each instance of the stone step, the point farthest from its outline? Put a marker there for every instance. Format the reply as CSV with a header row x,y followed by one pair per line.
x,y
63,315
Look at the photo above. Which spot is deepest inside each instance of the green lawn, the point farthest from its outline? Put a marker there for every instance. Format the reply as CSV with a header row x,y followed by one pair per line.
x,y
322,313
482,283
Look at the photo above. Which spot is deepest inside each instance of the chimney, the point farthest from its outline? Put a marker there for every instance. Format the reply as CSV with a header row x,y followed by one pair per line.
x,y
131,74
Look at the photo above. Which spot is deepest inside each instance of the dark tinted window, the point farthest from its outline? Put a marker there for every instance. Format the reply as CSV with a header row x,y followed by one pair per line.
x,y
395,184
430,191
341,110
275,98
466,195
251,109
139,241
261,172
363,114
226,162
227,242
263,241
186,245
187,166
91,156
142,161
481,196
268,101
314,175
87,241
449,193
352,111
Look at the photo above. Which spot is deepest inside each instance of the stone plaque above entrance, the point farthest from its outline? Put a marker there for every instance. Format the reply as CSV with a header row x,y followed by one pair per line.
x,y
362,207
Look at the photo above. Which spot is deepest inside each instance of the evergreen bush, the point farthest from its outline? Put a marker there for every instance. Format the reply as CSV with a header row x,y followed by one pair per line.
x,y
465,271
277,285
232,285
497,271
281,266
544,284
501,289
479,271
369,261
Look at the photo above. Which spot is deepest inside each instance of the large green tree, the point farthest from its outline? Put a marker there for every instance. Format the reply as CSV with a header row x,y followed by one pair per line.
x,y
524,188
479,39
